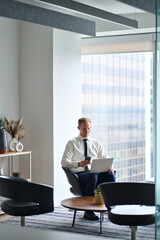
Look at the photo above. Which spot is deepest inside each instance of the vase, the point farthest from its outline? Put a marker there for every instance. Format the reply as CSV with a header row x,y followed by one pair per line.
x,y
12,145
3,141
98,199
19,146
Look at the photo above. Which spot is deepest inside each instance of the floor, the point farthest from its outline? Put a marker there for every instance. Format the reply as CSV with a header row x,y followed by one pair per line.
x,y
4,217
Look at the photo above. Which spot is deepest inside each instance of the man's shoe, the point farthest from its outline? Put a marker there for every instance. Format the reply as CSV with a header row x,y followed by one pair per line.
x,y
90,215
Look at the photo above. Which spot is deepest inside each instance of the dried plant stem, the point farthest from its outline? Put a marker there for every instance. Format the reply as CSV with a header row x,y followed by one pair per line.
x,y
14,128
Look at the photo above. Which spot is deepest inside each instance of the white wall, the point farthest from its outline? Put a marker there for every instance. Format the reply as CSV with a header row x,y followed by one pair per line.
x,y
9,72
36,97
9,67
32,58
67,100
50,99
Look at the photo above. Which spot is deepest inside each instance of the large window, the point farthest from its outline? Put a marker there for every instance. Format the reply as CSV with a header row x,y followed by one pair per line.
x,y
117,96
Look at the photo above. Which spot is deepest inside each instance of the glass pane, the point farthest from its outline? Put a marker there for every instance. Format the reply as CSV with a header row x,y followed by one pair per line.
x,y
157,118
117,96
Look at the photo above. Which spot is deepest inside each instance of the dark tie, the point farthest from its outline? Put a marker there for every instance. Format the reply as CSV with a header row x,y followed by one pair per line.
x,y
85,152
85,147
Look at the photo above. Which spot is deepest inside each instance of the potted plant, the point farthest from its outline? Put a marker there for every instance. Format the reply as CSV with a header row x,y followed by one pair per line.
x,y
98,197
3,137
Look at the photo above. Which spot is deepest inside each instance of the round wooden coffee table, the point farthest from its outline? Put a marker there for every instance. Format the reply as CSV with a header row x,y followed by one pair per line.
x,y
82,204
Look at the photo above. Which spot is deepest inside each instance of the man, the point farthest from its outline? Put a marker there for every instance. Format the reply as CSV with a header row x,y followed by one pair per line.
x,y
75,158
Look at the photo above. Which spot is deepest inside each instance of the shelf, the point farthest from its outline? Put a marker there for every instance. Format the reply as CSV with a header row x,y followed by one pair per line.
x,y
8,154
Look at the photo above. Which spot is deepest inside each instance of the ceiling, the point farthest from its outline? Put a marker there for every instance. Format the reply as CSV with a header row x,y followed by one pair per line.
x,y
111,6
146,19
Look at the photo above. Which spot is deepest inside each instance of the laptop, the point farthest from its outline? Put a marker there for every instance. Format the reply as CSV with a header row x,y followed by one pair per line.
x,y
101,164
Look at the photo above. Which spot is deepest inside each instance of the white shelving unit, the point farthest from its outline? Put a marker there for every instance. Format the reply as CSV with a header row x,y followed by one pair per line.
x,y
10,156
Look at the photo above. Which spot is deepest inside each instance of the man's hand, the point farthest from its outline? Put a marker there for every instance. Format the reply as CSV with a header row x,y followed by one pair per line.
x,y
111,170
83,163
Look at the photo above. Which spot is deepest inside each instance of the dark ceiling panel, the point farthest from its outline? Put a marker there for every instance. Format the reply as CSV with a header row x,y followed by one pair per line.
x,y
30,13
92,11
146,5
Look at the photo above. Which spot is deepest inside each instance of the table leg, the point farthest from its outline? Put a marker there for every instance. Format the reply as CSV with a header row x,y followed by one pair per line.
x,y
9,162
101,219
10,165
30,162
74,217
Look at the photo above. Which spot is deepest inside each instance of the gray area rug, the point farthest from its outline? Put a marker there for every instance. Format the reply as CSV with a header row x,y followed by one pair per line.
x,y
61,219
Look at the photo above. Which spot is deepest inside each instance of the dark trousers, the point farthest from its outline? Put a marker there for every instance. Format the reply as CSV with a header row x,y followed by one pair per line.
x,y
89,181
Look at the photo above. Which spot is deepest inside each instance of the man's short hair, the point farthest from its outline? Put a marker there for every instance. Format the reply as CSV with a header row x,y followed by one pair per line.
x,y
83,120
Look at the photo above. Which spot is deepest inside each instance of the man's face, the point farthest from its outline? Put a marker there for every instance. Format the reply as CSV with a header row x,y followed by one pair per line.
x,y
84,129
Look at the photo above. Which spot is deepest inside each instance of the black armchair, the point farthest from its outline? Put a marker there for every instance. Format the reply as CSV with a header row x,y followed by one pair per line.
x,y
131,204
25,198
73,180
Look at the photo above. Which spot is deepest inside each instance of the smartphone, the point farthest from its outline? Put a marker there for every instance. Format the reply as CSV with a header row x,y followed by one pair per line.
x,y
88,158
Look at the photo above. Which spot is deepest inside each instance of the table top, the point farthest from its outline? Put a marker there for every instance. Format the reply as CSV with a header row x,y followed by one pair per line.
x,y
8,154
83,203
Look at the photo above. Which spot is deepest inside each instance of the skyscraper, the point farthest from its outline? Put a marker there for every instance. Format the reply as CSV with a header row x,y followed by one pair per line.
x,y
115,96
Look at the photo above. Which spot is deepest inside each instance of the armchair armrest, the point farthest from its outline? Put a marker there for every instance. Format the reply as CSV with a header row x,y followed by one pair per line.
x,y
27,191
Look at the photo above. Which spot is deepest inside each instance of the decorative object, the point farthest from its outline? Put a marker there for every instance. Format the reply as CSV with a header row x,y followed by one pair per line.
x,y
15,129
19,147
16,174
12,144
3,137
98,197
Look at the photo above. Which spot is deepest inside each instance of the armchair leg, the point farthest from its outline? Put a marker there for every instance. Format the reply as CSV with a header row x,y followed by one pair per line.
x,y
133,232
22,221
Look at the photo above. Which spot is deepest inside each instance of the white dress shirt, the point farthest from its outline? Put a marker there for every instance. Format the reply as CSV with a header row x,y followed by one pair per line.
x,y
74,152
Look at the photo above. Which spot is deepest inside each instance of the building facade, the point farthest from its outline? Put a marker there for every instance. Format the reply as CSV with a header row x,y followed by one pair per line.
x,y
117,96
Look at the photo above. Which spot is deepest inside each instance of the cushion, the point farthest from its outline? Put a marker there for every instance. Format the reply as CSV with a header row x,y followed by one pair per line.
x,y
20,208
132,215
